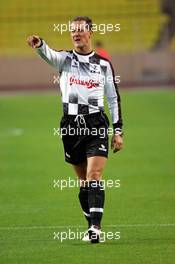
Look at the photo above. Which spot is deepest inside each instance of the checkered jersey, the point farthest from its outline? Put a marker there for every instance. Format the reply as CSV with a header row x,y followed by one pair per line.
x,y
84,80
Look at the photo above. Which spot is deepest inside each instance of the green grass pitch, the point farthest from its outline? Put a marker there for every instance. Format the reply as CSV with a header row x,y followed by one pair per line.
x,y
142,209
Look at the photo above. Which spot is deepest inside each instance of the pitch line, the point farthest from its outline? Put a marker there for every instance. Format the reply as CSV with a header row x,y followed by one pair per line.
x,y
83,226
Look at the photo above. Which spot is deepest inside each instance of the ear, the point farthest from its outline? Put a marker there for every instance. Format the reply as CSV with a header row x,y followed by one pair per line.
x,y
91,32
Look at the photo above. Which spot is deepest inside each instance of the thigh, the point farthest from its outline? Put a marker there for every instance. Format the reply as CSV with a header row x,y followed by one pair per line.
x,y
81,170
95,167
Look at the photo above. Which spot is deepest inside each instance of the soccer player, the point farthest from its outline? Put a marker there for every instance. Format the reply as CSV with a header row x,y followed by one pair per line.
x,y
85,77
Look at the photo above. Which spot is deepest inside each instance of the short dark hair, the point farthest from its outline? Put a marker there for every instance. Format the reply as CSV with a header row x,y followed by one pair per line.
x,y
86,19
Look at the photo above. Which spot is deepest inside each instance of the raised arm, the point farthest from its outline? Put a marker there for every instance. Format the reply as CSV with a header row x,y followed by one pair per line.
x,y
52,57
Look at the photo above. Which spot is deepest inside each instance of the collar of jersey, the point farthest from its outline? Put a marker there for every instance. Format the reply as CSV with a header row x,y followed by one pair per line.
x,y
80,54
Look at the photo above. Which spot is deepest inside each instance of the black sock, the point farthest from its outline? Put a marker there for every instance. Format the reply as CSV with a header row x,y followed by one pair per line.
x,y
96,199
83,198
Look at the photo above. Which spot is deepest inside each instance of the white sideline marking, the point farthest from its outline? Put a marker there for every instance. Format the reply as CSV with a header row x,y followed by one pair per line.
x,y
16,132
83,226
12,132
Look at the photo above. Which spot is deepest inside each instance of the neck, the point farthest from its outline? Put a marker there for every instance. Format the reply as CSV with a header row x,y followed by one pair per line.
x,y
84,50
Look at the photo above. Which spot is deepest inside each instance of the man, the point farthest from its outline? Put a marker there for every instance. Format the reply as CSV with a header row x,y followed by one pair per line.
x,y
101,51
83,83
167,31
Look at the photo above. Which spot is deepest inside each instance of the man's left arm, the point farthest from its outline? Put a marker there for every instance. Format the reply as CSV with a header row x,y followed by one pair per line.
x,y
114,104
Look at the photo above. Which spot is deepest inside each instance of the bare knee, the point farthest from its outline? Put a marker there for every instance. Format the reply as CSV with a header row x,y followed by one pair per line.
x,y
94,175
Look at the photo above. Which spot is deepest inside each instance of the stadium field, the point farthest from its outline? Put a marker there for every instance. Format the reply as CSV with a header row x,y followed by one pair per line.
x,y
33,209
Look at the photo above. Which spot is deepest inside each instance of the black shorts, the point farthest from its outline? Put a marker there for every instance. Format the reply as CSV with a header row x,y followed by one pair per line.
x,y
84,136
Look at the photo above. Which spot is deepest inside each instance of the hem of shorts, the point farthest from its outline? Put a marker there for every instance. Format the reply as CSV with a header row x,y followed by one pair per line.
x,y
74,163
88,156
95,155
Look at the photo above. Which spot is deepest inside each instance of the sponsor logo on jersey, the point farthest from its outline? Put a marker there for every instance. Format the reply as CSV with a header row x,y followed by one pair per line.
x,y
75,64
95,68
88,83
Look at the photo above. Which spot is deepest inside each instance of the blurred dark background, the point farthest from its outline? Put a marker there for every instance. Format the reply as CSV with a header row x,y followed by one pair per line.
x,y
143,51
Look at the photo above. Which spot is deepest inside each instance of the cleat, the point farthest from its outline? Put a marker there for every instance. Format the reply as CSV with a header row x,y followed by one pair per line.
x,y
94,234
86,237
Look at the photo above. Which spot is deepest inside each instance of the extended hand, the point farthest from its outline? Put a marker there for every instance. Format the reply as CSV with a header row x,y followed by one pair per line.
x,y
116,143
34,41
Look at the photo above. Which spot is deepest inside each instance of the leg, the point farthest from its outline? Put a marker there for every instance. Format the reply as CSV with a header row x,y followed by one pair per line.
x,y
95,168
96,196
81,170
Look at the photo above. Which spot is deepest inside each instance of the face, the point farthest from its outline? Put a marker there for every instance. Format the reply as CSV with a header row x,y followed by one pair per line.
x,y
81,36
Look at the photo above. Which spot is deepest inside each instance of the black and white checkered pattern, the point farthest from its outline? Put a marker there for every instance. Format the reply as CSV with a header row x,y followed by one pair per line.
x,y
74,106
83,82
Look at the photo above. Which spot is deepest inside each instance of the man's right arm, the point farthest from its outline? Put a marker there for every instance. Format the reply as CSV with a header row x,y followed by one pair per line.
x,y
54,58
